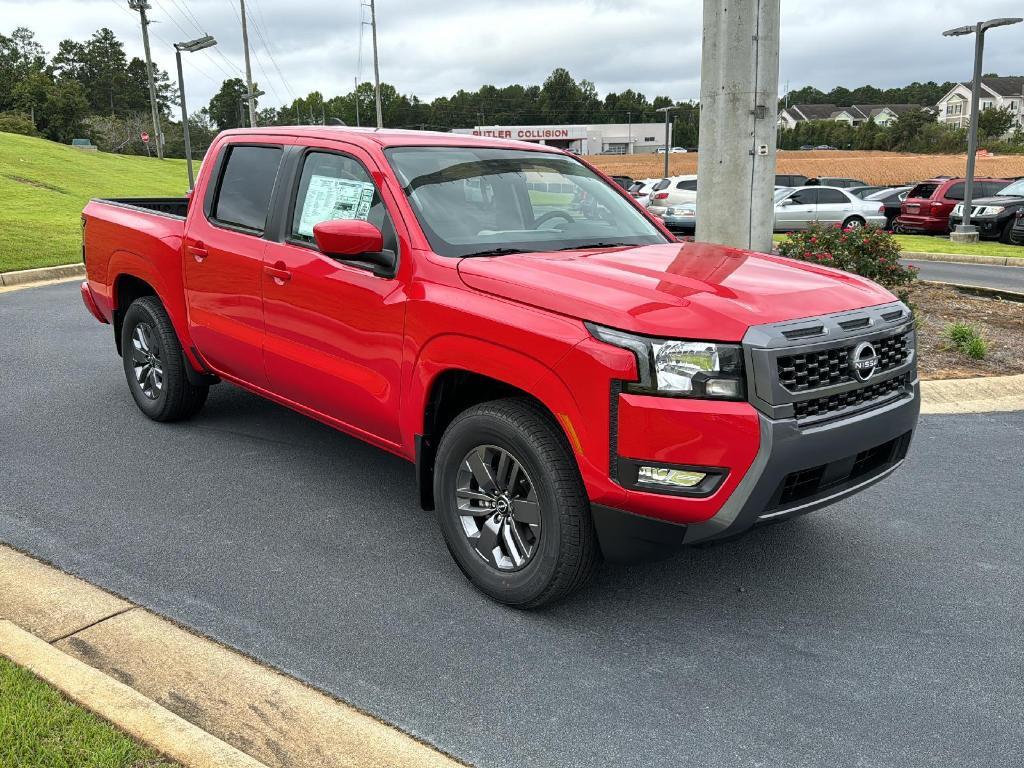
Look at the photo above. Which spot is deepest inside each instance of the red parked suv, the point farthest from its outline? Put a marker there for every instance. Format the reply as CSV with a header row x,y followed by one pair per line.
x,y
569,381
929,204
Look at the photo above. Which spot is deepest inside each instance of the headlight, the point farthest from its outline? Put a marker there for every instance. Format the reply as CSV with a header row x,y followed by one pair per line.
x,y
701,369
687,211
990,210
958,209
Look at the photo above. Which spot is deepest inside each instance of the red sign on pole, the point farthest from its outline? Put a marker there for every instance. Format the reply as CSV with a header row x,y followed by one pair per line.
x,y
145,137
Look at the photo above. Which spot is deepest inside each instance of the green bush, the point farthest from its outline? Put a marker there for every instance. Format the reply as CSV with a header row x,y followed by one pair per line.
x,y
866,251
967,339
976,349
16,122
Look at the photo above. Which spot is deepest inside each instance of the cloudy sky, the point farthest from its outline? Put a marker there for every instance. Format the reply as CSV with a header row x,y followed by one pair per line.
x,y
433,48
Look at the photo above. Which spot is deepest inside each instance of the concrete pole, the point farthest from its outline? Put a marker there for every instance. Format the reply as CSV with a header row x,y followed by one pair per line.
x,y
376,64
967,232
184,122
248,69
739,94
141,6
666,143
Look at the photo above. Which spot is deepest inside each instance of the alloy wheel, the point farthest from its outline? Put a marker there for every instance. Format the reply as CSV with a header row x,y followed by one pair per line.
x,y
498,506
146,363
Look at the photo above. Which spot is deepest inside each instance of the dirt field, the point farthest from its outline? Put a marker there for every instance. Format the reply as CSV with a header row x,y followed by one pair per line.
x,y
871,167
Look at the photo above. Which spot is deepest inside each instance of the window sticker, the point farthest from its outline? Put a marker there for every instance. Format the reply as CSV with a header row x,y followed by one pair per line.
x,y
329,197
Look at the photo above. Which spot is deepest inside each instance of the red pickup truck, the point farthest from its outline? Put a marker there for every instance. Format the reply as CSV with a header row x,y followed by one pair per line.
x,y
570,381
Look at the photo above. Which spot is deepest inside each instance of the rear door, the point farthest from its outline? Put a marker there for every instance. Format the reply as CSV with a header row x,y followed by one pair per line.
x,y
225,240
833,206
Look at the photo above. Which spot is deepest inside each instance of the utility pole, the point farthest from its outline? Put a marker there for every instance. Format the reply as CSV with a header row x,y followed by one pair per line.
x,y
142,6
355,96
376,63
666,110
248,68
739,95
965,231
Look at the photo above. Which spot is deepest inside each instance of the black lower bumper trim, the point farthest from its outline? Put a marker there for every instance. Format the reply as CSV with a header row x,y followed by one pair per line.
x,y
628,538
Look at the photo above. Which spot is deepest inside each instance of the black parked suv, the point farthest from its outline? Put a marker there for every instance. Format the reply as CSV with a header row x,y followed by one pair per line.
x,y
996,217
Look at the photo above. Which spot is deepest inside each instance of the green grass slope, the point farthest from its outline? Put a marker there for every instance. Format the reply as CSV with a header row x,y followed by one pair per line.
x,y
44,186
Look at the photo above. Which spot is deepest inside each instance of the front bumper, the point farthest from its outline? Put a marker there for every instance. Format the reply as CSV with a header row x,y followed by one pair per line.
x,y
784,453
988,226
685,224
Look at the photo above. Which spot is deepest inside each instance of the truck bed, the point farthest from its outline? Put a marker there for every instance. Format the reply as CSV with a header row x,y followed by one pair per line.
x,y
167,206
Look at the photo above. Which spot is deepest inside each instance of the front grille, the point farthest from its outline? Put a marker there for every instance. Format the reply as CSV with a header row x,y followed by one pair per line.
x,y
811,370
818,406
807,483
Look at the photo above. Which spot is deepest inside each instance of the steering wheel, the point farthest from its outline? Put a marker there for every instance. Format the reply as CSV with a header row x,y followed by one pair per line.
x,y
553,215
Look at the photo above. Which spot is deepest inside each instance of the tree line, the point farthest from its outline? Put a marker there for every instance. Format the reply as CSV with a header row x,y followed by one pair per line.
x,y
91,89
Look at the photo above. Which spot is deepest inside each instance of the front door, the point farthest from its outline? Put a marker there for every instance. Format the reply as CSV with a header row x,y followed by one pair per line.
x,y
334,329
800,211
223,262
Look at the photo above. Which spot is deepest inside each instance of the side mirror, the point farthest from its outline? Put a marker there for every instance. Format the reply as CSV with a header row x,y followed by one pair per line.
x,y
781,203
354,239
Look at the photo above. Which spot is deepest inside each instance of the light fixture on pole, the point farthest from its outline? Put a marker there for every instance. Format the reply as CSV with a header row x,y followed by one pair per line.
x,y
666,110
965,231
191,46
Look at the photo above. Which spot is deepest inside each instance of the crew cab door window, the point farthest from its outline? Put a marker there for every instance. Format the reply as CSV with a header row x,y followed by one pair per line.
x,y
246,184
334,186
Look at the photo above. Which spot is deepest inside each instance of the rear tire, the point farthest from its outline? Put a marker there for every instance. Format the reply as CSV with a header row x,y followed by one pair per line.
x,y
154,364
512,506
853,222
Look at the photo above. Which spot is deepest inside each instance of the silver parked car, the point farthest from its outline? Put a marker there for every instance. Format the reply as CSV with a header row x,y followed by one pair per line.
x,y
798,208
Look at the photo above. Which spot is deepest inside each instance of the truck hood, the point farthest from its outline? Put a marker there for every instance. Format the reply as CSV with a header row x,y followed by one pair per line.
x,y
681,290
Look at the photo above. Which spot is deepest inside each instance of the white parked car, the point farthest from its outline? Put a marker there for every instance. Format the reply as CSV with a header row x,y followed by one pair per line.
x,y
798,208
641,190
674,191
672,150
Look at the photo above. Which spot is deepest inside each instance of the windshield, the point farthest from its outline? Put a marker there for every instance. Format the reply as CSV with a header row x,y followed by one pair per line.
x,y
781,193
473,202
1015,190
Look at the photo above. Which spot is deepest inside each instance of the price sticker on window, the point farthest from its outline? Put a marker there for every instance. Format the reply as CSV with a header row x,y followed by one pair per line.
x,y
329,197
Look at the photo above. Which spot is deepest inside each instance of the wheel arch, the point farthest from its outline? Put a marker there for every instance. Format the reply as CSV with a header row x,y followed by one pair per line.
x,y
446,386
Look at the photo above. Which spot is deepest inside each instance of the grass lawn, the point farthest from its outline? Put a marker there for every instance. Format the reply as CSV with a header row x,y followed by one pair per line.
x,y
44,186
39,728
550,198
930,244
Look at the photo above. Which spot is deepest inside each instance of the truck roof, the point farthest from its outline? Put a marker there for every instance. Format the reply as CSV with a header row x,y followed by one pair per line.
x,y
388,137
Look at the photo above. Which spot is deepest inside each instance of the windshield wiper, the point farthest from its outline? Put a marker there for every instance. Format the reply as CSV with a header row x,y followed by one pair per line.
x,y
495,252
589,246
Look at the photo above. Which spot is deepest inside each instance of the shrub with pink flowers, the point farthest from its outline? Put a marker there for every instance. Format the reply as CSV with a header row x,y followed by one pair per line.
x,y
867,251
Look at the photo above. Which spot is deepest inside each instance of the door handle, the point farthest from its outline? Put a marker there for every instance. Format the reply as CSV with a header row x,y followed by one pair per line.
x,y
199,253
279,273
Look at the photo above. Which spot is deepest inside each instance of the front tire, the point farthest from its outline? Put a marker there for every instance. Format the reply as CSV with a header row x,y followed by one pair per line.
x,y
155,365
512,506
1006,235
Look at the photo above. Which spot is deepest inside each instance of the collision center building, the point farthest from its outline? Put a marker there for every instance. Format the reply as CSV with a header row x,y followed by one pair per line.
x,y
604,138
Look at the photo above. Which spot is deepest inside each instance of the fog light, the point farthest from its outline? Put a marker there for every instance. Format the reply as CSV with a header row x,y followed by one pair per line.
x,y
730,388
675,478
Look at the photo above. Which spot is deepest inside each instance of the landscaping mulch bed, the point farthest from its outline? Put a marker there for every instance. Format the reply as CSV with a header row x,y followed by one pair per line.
x,y
1001,324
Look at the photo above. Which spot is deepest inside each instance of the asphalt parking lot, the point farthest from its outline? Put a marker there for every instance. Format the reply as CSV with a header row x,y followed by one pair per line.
x,y
885,631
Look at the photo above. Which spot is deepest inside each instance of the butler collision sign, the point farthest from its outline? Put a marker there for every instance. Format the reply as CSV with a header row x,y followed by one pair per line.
x,y
534,132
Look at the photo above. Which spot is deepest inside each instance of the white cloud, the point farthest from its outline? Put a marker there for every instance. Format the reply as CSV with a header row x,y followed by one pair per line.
x,y
432,49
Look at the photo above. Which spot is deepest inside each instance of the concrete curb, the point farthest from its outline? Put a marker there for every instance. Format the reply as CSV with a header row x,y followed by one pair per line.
x,y
978,395
23,277
967,258
978,290
129,710
199,702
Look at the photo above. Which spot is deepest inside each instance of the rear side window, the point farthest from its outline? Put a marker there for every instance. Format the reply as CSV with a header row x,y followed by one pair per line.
x,y
246,184
662,184
690,185
955,191
828,196
925,190
992,188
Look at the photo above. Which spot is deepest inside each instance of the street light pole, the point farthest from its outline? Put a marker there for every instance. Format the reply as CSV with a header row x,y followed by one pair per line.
x,y
666,110
191,46
965,231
